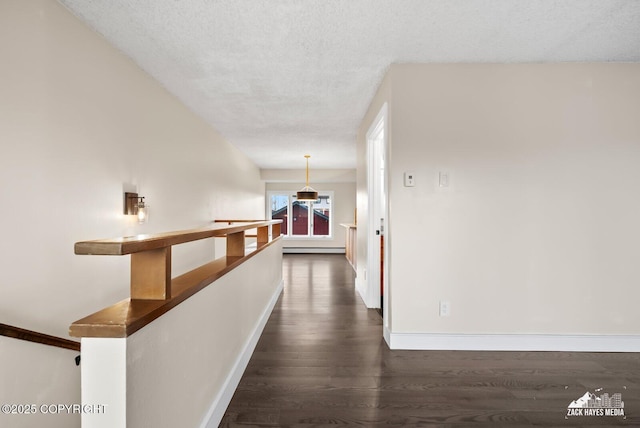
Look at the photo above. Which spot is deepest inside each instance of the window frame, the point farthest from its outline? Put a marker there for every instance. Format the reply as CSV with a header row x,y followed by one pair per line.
x,y
291,198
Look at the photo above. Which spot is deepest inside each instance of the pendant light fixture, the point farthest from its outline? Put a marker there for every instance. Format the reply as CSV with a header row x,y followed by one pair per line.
x,y
307,193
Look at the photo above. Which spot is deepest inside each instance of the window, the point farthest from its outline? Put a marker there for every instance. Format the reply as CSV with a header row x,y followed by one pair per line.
x,y
301,219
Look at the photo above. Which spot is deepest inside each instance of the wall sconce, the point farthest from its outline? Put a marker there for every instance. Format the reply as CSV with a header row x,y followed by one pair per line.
x,y
135,205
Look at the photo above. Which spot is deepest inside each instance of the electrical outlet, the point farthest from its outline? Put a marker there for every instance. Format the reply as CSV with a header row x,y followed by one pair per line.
x,y
409,179
445,308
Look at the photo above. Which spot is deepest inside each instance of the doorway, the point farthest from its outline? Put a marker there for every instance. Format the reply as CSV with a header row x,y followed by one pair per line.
x,y
377,293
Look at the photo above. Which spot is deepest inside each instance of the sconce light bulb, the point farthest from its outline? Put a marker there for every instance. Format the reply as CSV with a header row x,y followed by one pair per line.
x,y
143,211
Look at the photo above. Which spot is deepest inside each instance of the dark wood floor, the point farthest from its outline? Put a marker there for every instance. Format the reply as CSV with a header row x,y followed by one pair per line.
x,y
321,361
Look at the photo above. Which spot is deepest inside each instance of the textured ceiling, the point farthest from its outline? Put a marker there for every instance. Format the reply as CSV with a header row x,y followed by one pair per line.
x,y
281,78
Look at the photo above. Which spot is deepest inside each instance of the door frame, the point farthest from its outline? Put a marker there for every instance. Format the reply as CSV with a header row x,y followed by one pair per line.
x,y
377,156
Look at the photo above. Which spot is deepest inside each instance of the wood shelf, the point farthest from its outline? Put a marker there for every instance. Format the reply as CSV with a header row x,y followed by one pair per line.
x,y
138,243
153,292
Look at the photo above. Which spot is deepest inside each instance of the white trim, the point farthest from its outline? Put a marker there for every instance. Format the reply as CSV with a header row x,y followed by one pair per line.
x,y
313,250
513,342
221,402
361,288
387,336
291,197
103,379
372,295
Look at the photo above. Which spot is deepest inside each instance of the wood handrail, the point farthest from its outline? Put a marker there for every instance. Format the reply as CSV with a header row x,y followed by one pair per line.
x,y
153,291
139,243
230,222
35,337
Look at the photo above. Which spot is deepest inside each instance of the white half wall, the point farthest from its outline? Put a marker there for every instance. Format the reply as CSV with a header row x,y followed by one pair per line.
x,y
182,369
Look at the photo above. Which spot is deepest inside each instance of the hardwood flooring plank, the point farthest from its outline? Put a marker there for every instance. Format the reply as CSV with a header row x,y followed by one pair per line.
x,y
322,362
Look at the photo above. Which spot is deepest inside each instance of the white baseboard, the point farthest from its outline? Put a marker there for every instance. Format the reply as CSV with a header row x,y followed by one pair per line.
x,y
386,334
513,342
313,250
362,292
362,289
221,402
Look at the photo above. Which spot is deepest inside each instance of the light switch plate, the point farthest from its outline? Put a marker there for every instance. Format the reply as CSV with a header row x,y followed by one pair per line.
x,y
443,179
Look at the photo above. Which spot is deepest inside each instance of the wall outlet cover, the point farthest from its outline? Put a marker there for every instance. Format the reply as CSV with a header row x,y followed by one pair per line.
x,y
445,308
409,179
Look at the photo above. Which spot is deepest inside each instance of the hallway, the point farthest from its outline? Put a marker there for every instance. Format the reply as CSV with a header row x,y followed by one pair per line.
x,y
322,361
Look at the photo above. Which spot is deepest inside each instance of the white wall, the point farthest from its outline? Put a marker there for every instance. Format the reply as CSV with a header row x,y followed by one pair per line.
x,y
79,123
315,175
537,232
32,373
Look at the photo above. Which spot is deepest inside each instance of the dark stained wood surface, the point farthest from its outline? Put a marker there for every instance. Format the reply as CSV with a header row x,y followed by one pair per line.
x,y
322,362
36,337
